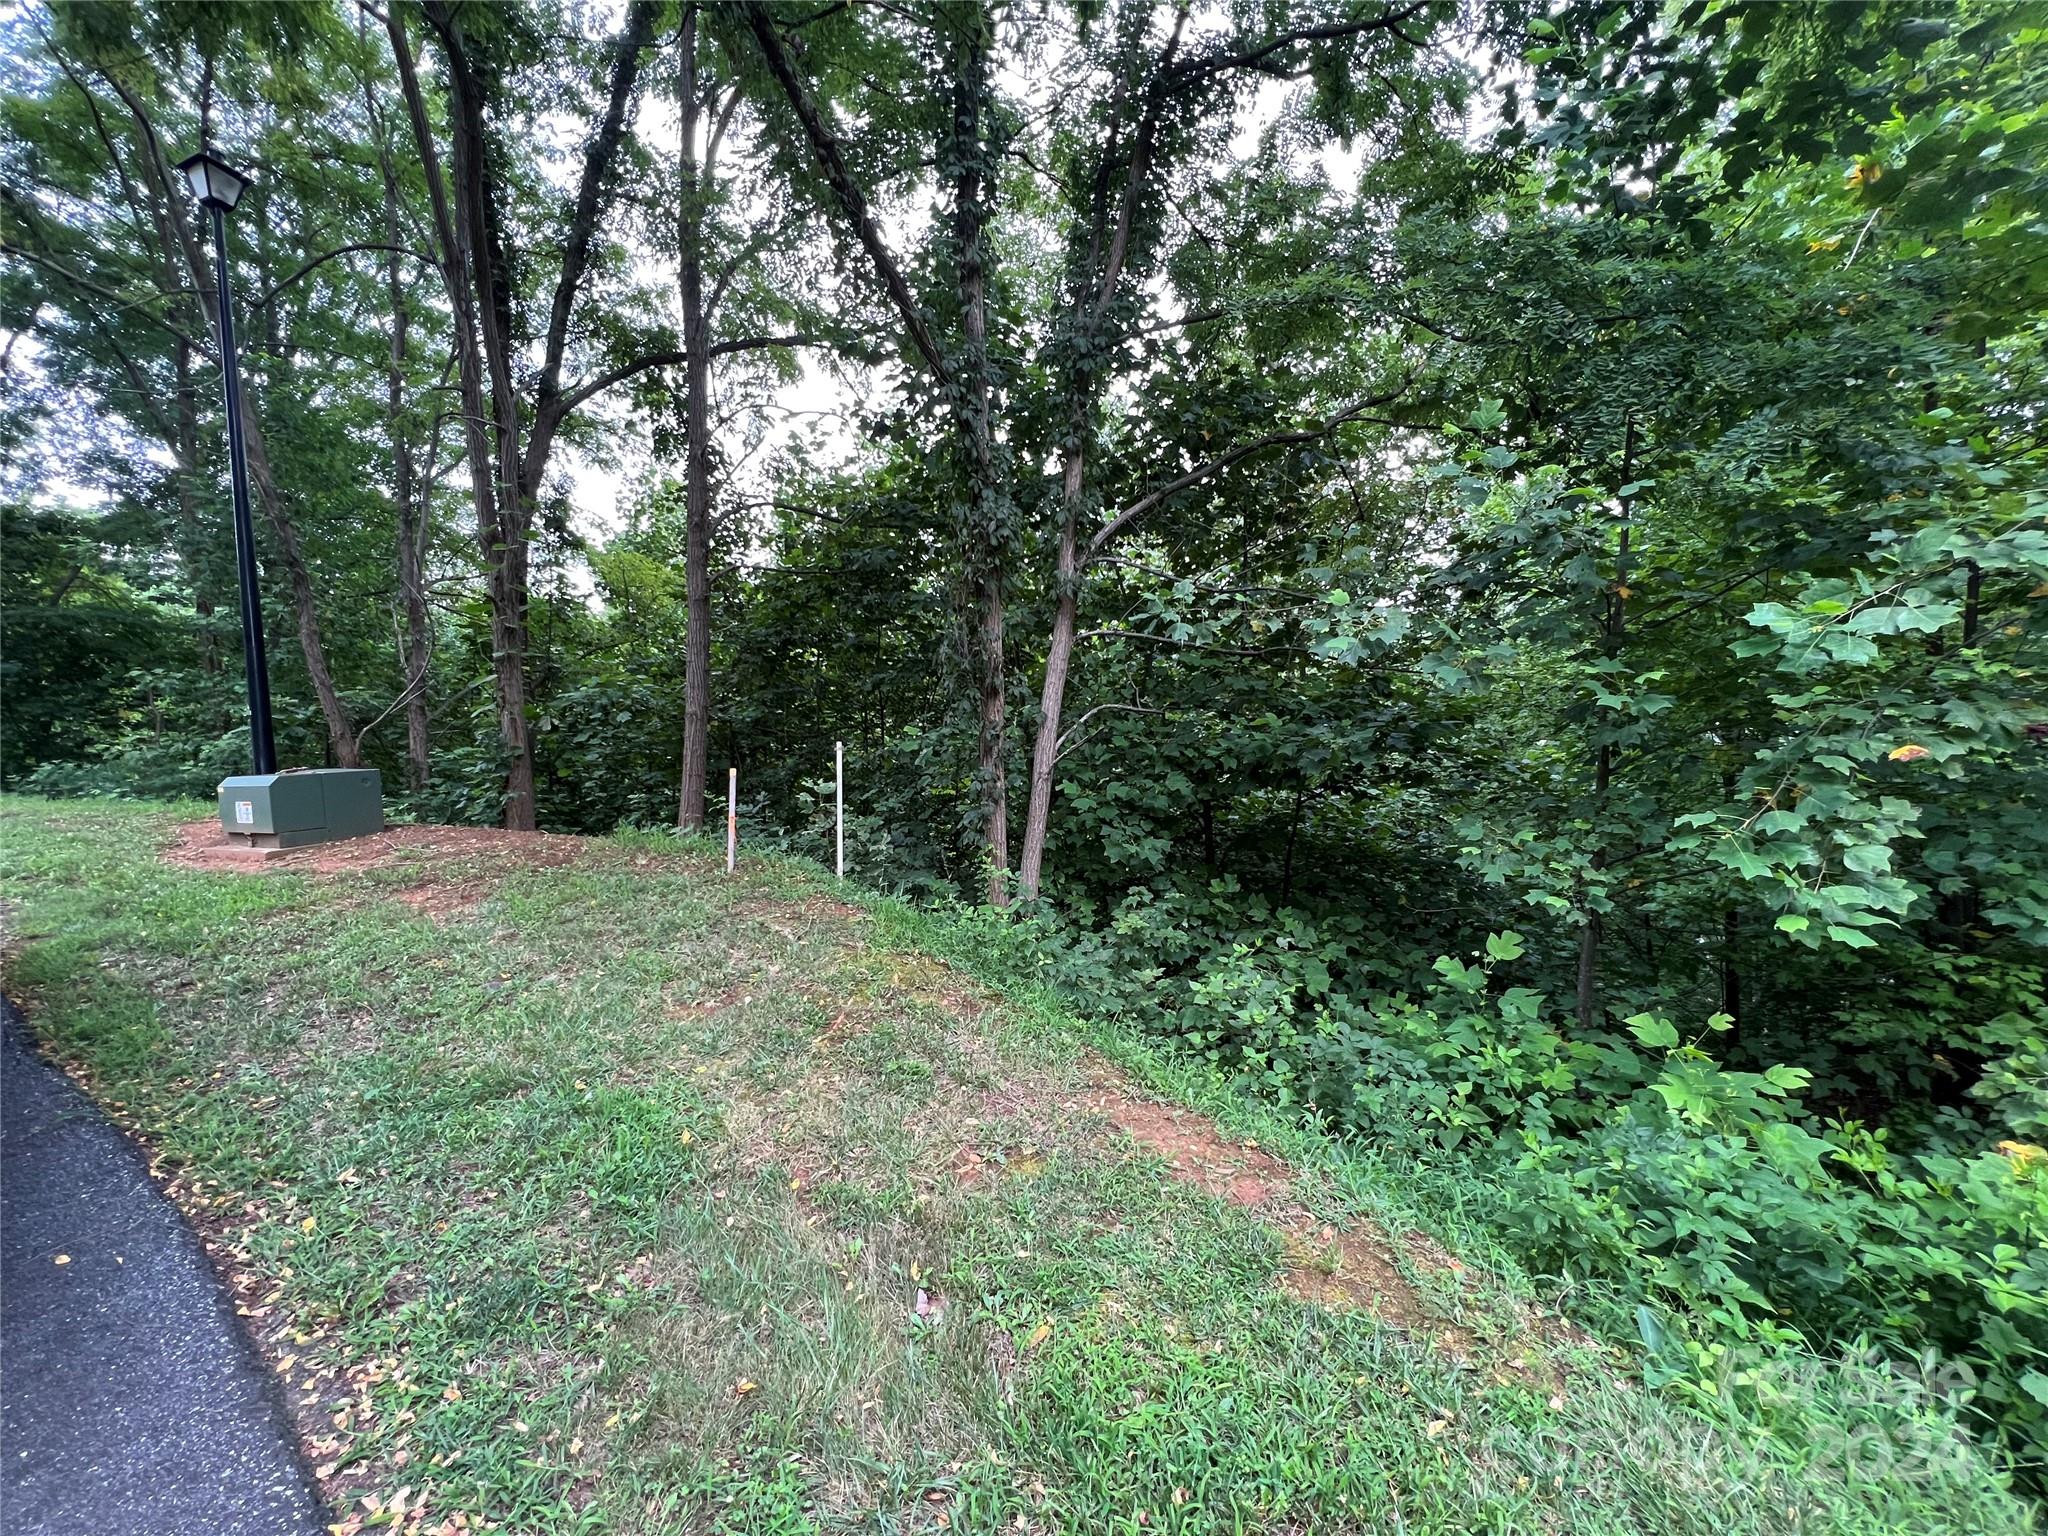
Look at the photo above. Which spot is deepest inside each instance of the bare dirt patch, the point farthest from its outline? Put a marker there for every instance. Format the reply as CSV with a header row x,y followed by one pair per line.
x,y
444,859
1332,1267
732,997
1194,1149
808,906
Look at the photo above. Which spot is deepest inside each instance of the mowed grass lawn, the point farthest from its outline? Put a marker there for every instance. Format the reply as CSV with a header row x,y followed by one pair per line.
x,y
580,1187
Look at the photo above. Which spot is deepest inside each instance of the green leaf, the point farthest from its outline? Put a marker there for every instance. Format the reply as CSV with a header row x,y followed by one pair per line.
x,y
1460,975
1659,1034
1651,1331
1504,946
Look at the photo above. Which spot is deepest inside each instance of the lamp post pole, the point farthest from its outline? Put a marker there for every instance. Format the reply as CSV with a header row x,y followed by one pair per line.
x,y
254,666
263,813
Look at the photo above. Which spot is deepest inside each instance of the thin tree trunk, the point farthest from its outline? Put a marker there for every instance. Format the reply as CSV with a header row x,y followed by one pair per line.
x,y
697,467
1059,655
1109,246
1587,981
1614,629
406,493
1293,835
410,492
341,731
980,601
1731,971
187,446
418,645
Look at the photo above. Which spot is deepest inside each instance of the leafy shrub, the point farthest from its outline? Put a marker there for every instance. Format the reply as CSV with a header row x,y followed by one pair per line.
x,y
1713,1194
177,768
1716,1199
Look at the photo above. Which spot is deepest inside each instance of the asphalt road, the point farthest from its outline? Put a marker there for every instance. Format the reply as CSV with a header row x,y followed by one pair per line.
x,y
131,1403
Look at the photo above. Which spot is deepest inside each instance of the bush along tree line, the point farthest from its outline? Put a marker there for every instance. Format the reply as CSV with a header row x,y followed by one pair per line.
x,y
1480,565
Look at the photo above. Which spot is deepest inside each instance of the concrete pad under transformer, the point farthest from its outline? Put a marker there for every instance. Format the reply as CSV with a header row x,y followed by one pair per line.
x,y
240,853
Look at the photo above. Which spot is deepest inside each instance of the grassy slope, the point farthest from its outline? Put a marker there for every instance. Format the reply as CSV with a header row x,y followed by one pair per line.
x,y
605,1202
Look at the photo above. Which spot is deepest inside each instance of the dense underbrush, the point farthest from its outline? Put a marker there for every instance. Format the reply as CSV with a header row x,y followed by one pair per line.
x,y
1722,1216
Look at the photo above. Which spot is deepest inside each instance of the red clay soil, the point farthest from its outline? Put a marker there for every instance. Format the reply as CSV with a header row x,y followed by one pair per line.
x,y
444,860
543,849
1334,1268
1195,1150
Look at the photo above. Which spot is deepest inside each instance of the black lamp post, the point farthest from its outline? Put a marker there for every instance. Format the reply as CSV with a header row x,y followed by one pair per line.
x,y
218,186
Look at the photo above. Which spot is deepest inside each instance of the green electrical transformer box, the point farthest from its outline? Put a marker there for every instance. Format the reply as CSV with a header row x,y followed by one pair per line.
x,y
301,806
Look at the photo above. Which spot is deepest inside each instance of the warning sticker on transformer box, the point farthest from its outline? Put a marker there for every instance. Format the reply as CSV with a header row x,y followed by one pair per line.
x,y
245,812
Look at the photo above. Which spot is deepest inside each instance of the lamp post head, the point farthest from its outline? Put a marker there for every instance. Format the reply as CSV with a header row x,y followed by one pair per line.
x,y
214,182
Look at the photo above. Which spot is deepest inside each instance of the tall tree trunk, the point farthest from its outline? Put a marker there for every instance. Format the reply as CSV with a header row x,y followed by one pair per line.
x,y
697,466
966,379
504,524
455,275
517,441
982,541
506,588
